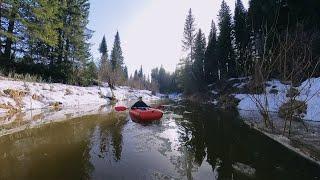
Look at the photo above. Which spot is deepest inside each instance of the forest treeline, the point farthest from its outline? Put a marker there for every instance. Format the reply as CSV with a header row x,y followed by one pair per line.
x,y
47,39
277,38
272,39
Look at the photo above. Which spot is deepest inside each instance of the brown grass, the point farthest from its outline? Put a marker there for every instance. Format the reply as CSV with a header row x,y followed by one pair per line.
x,y
37,97
38,116
68,92
16,95
56,105
6,106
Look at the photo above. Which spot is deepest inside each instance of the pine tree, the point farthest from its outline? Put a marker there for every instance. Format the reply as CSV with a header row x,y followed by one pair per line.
x,y
211,61
189,35
116,53
49,38
104,53
135,76
29,25
198,65
103,47
125,71
241,35
162,79
140,73
73,50
10,15
104,65
89,74
188,45
225,54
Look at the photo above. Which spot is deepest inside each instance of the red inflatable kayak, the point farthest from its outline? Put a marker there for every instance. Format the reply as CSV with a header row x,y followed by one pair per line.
x,y
145,115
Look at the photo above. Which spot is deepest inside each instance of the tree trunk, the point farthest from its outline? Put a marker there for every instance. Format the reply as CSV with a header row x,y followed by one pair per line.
x,y
60,47
9,41
66,50
1,28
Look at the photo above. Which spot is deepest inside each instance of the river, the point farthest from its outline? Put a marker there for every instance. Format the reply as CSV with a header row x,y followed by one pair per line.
x,y
190,142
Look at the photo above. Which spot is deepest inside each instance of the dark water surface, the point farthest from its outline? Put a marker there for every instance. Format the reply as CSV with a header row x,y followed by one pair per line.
x,y
203,144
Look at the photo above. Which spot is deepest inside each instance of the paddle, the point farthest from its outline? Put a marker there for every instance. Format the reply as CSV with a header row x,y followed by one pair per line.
x,y
123,108
120,108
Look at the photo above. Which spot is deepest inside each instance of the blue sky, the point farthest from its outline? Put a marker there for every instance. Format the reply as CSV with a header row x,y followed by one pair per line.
x,y
150,30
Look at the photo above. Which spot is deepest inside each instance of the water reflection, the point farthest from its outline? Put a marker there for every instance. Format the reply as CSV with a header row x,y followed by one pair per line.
x,y
58,151
206,137
108,137
222,140
204,144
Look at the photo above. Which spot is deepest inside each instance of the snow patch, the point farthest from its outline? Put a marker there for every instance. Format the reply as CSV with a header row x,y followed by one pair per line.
x,y
309,92
42,95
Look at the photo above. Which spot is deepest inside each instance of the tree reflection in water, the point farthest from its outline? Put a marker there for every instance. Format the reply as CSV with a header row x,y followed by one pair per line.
x,y
110,136
204,144
222,139
207,135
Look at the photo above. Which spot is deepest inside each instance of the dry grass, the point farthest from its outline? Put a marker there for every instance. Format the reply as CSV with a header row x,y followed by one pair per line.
x,y
26,86
6,106
37,97
25,77
52,88
68,92
11,110
16,95
55,105
38,116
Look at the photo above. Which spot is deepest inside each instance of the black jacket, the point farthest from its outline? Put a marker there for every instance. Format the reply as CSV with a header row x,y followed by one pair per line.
x,y
140,104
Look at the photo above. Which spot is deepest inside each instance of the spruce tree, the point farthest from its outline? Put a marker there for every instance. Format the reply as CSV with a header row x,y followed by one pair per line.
x,y
73,48
225,54
189,35
198,65
104,66
29,25
140,73
135,76
211,61
188,47
116,53
125,71
162,79
103,47
241,35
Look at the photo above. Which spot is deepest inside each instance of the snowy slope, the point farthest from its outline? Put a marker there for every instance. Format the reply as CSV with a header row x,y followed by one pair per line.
x,y
28,95
309,92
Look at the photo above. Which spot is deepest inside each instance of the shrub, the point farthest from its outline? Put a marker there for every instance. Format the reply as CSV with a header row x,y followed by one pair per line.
x,y
292,92
228,102
254,88
293,108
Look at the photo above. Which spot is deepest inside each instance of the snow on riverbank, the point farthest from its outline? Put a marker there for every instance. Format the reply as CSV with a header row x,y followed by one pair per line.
x,y
309,92
25,96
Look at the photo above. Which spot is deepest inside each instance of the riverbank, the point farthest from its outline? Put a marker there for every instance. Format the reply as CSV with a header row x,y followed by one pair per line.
x,y
30,104
303,139
18,96
279,93
304,134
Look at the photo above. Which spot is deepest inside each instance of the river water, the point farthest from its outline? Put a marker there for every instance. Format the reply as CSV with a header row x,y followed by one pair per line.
x,y
190,142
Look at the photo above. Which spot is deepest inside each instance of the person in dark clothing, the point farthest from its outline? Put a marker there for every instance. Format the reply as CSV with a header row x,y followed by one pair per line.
x,y
139,104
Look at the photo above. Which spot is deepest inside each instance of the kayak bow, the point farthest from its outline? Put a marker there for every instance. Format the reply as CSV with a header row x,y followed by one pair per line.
x,y
145,115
